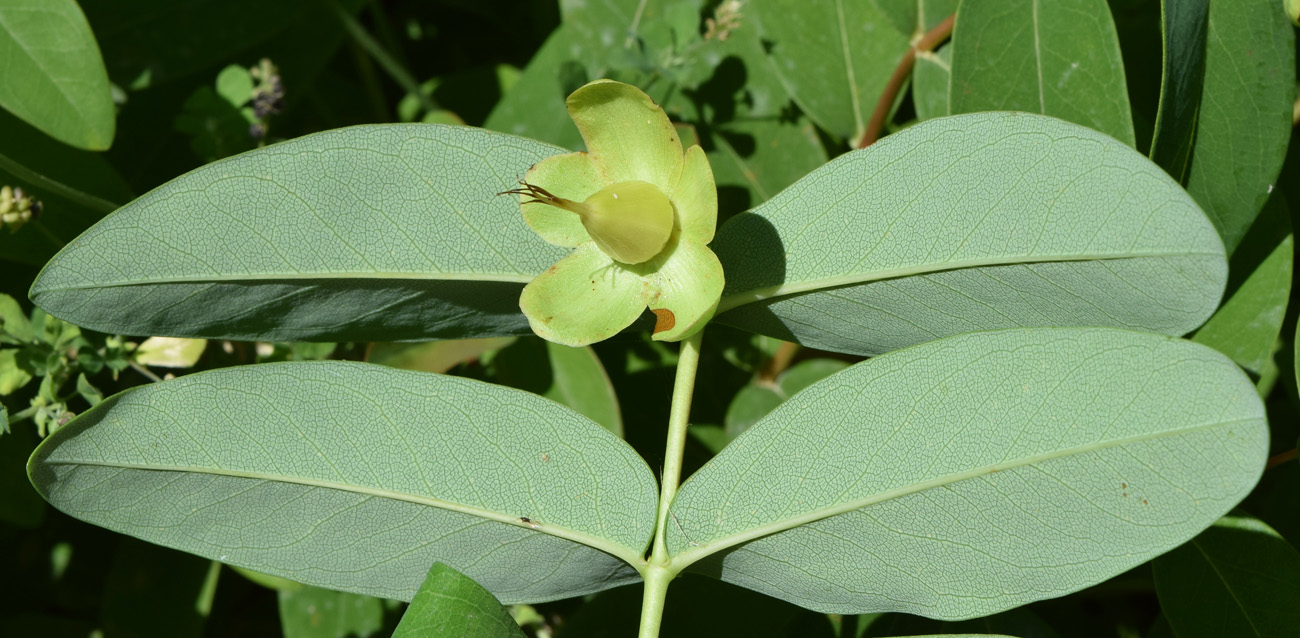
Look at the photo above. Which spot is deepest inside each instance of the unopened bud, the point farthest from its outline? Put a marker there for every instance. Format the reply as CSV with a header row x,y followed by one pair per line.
x,y
629,221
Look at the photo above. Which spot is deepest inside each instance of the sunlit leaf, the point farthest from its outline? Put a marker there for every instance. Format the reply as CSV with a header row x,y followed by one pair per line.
x,y
971,222
358,477
977,473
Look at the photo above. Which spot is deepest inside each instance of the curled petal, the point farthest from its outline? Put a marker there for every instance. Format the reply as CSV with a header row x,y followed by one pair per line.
x,y
683,289
571,176
628,136
696,198
584,298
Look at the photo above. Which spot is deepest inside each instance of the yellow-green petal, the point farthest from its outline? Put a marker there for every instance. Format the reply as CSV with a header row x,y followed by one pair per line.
x,y
584,298
684,289
696,198
628,136
571,176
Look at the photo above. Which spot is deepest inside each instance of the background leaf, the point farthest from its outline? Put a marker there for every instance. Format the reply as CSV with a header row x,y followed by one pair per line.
x,y
568,376
926,234
930,79
756,141
757,399
312,612
451,604
61,219
834,57
534,106
1245,114
366,233
1058,58
1246,327
279,468
981,470
1183,28
54,78
1237,578
150,587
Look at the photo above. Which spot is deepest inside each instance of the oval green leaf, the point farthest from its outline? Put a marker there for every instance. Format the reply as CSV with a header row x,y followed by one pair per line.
x,y
358,477
1182,28
972,222
1246,327
1237,578
835,58
977,473
54,77
369,233
1244,122
1058,58
450,603
312,612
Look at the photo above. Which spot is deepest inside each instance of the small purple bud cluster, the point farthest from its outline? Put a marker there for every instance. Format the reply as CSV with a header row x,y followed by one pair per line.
x,y
268,97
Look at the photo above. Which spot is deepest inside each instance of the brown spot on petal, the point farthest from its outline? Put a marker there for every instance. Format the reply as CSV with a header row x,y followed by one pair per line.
x,y
664,319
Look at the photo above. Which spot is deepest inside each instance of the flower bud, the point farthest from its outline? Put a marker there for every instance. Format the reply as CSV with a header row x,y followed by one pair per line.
x,y
629,221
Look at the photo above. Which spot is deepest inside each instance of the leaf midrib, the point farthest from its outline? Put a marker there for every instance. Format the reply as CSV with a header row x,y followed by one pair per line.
x,y
618,550
735,300
702,550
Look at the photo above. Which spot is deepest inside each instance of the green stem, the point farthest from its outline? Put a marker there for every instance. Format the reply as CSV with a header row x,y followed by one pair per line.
x,y
659,572
69,193
394,69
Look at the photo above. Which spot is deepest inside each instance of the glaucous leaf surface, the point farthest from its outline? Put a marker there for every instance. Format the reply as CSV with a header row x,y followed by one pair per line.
x,y
1247,325
451,604
358,477
977,473
391,232
312,612
834,57
1183,29
971,222
1058,58
53,75
1245,113
1237,578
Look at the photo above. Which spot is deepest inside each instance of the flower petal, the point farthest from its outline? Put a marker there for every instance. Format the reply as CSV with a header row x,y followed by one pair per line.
x,y
696,198
684,289
628,136
571,176
584,298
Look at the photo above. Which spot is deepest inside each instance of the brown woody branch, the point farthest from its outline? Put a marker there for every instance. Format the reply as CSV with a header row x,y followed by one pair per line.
x,y
928,42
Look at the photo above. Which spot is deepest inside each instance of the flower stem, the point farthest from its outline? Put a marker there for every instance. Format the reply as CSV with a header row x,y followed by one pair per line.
x,y
659,572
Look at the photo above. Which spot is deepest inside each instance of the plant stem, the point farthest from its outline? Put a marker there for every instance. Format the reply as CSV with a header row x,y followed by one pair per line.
x,y
386,61
928,42
1283,457
69,193
659,572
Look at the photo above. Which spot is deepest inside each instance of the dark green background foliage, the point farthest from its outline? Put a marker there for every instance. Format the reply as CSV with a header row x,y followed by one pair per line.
x,y
771,89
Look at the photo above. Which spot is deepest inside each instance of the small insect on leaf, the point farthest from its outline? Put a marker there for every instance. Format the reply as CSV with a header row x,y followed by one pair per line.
x,y
530,522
